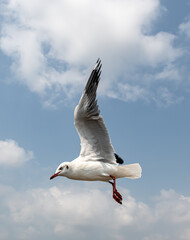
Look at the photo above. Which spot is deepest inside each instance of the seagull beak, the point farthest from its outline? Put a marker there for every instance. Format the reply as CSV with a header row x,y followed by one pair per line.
x,y
54,175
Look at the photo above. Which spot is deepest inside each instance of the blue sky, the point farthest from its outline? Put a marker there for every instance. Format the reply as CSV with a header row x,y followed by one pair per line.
x,y
47,51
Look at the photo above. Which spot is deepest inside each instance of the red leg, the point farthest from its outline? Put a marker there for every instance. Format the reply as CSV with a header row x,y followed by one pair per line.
x,y
116,195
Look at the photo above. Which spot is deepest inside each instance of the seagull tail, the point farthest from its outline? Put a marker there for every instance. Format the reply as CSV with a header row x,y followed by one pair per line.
x,y
132,171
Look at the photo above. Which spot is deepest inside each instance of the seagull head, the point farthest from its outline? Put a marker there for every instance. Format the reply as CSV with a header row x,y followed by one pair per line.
x,y
62,170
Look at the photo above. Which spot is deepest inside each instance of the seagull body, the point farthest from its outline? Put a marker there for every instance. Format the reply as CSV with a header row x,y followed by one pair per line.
x,y
79,169
97,160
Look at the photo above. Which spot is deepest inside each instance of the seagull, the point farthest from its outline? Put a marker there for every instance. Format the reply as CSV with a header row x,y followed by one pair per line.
x,y
98,160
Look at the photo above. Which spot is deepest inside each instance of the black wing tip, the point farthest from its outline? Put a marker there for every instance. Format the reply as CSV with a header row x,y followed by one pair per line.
x,y
94,77
118,159
98,65
98,61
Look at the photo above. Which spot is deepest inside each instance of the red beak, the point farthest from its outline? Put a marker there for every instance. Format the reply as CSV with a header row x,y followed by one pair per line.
x,y
54,175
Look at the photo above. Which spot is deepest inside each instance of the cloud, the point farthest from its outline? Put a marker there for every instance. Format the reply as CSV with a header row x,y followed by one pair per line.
x,y
12,155
84,212
185,28
54,45
129,92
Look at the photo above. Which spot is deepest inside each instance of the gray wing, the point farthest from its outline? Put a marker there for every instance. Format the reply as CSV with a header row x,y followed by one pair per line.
x,y
94,137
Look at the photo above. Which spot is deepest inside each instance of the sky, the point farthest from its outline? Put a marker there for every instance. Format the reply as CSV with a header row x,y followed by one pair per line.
x,y
47,51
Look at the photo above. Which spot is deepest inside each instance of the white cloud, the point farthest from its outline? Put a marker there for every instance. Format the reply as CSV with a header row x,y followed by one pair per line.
x,y
129,92
169,72
83,212
12,155
185,28
42,35
186,234
173,207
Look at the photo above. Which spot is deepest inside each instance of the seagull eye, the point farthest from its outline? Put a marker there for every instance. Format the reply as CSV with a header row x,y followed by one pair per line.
x,y
61,168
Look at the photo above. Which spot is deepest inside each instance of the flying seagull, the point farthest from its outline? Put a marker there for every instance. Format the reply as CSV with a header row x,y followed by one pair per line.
x,y
97,160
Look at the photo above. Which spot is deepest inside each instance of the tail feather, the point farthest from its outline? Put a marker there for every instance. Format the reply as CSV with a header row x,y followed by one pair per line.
x,y
132,171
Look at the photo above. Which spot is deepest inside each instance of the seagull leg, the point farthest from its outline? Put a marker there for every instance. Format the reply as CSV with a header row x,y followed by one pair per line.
x,y
116,195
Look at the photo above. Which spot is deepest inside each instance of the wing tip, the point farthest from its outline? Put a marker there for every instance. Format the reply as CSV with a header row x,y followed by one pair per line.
x,y
118,159
98,65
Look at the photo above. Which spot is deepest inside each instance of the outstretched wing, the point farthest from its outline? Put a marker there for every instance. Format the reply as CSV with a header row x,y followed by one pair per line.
x,y
95,140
